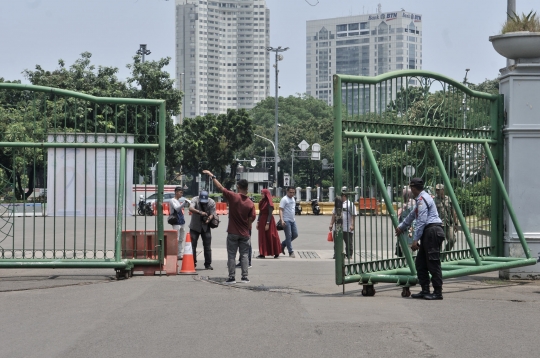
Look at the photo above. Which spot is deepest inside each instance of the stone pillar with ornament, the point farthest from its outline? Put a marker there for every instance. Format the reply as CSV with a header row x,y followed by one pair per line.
x,y
520,85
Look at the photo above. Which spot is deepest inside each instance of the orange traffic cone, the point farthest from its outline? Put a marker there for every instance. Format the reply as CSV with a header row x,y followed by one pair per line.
x,y
188,264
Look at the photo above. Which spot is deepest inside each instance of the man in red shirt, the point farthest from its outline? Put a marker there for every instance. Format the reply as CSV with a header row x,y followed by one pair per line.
x,y
241,215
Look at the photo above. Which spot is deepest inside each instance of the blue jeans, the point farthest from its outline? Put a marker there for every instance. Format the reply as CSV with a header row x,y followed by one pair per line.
x,y
291,233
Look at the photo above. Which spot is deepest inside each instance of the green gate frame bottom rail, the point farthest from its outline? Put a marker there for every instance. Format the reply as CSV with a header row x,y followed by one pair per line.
x,y
119,264
406,276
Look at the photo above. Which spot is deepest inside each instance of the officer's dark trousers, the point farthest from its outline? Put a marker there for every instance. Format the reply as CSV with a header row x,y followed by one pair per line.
x,y
428,260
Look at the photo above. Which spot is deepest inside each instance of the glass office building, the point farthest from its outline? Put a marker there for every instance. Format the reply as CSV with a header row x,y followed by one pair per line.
x,y
362,45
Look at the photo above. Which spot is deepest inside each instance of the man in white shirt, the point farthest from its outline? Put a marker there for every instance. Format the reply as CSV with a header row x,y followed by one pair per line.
x,y
348,214
286,215
177,203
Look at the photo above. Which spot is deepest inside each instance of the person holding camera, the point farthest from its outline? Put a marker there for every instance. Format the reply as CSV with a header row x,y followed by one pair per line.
x,y
203,210
241,216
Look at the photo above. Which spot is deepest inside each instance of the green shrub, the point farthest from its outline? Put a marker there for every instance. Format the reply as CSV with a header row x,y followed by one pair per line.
x,y
529,22
256,197
482,207
276,199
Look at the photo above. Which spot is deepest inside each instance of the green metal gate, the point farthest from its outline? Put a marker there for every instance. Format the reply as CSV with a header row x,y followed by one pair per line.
x,y
83,154
418,123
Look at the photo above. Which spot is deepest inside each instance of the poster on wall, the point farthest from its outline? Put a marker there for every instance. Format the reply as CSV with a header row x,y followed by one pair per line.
x,y
85,181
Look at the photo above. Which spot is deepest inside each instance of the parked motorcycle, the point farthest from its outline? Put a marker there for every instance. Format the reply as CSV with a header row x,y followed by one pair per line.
x,y
144,208
315,208
297,208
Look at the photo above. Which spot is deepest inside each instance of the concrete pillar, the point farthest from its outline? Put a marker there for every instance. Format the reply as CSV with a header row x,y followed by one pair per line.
x,y
308,193
298,194
357,195
319,194
520,85
331,193
279,193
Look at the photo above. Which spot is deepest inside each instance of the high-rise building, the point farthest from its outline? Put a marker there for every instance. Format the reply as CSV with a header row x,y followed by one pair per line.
x,y
221,57
362,45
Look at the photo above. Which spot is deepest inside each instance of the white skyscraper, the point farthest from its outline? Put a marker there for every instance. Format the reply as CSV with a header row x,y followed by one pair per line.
x,y
362,45
221,57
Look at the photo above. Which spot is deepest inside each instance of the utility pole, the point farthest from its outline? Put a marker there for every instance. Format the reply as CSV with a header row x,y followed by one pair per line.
x,y
276,159
510,11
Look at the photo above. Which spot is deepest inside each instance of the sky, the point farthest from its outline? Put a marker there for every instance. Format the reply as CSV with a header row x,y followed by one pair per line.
x,y
455,33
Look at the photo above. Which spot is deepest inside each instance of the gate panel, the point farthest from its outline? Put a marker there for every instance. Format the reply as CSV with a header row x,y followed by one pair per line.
x,y
68,165
419,124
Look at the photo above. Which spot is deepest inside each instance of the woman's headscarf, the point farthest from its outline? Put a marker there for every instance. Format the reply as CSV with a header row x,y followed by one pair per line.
x,y
266,200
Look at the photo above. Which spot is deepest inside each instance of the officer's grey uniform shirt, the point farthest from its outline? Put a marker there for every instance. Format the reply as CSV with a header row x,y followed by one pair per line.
x,y
424,213
196,223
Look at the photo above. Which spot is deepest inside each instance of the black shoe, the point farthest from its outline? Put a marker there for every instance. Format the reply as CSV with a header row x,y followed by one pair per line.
x,y
208,267
230,280
261,257
276,256
421,294
436,295
292,255
245,279
239,265
283,250
433,296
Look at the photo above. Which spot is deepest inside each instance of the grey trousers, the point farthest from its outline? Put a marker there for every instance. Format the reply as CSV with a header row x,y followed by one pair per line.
x,y
234,243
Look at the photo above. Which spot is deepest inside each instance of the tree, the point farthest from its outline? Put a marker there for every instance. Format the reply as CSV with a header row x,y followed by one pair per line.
x,y
34,114
301,117
213,142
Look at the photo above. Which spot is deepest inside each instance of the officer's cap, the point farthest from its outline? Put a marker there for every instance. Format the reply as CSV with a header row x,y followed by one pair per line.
x,y
416,182
439,187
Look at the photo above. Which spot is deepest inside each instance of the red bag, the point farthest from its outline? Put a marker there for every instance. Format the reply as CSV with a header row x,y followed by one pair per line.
x,y
330,237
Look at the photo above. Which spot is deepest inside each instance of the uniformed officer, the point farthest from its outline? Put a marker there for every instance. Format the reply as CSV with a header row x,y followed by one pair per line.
x,y
446,211
429,233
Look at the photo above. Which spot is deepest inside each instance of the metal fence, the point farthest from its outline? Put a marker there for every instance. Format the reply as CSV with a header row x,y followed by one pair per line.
x,y
68,163
420,124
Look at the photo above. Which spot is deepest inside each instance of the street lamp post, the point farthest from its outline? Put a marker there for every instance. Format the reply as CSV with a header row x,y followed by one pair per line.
x,y
275,155
143,51
278,58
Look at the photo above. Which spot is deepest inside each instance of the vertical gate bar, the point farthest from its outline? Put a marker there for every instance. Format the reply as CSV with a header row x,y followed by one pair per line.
x,y
508,203
161,179
448,184
393,215
95,181
497,117
106,150
34,175
120,205
75,180
338,172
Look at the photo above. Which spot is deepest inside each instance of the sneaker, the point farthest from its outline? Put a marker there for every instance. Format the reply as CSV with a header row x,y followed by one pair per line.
x,y
208,267
291,255
250,266
230,280
245,279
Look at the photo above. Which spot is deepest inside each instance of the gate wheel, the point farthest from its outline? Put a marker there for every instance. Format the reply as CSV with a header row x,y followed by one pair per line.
x,y
368,290
406,292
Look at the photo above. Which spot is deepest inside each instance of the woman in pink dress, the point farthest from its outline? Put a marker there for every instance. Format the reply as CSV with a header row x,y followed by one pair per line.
x,y
269,243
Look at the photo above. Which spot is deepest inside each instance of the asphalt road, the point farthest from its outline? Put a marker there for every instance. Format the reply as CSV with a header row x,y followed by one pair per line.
x,y
291,308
